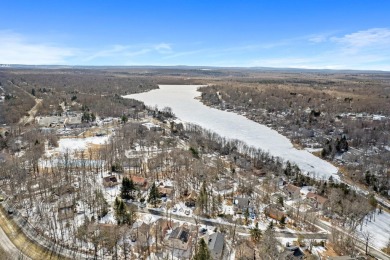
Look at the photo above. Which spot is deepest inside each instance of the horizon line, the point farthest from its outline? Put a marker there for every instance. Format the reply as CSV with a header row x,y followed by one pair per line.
x,y
4,65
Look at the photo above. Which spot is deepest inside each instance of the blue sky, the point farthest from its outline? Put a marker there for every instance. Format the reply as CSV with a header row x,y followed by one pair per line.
x,y
302,34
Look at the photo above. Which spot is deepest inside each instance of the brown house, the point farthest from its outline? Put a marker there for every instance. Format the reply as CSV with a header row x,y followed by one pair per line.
x,y
274,213
165,191
110,181
139,181
292,191
190,200
316,200
65,210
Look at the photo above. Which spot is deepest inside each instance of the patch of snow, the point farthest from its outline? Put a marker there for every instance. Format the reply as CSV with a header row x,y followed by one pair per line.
x,y
306,189
313,150
79,144
378,228
378,117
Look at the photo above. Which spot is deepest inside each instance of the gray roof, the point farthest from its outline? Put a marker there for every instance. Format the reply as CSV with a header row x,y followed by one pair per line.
x,y
241,203
216,242
181,233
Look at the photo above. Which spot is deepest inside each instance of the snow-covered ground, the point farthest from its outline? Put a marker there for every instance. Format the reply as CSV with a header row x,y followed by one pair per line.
x,y
71,146
306,189
79,144
181,98
379,229
181,209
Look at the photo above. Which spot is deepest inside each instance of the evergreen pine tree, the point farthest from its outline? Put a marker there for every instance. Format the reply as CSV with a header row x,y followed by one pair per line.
x,y
287,170
246,216
203,198
153,195
203,251
127,188
120,210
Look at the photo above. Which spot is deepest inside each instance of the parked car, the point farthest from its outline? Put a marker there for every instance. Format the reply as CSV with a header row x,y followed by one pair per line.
x,y
190,203
203,231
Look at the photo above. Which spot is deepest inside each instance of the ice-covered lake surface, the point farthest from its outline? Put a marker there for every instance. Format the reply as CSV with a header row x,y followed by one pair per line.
x,y
182,100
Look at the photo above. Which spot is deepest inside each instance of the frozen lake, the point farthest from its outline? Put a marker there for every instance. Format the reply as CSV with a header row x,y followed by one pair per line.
x,y
182,100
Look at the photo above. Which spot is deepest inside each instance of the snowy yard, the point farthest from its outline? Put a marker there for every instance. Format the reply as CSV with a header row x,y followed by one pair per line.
x,y
379,228
79,144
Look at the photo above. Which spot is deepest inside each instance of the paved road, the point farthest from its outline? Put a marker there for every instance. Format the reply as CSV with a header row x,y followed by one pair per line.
x,y
46,246
239,228
9,247
33,111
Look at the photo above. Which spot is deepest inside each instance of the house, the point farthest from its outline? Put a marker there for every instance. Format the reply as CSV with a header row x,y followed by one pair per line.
x,y
110,181
151,127
140,233
274,213
190,200
259,173
216,243
180,238
65,210
292,191
241,204
165,191
223,185
293,253
139,181
316,200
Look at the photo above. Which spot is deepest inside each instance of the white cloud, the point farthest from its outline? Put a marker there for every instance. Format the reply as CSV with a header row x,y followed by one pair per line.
x,y
365,49
16,49
378,38
163,48
318,38
118,52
